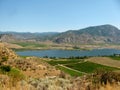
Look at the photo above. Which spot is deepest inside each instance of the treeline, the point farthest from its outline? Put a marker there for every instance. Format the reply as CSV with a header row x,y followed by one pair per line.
x,y
81,57
71,57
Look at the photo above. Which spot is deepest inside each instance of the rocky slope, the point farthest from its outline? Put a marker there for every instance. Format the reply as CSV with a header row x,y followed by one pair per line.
x,y
8,38
90,35
34,67
30,66
16,36
6,53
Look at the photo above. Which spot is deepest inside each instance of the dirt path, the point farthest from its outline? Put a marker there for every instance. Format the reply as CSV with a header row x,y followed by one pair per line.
x,y
105,61
72,69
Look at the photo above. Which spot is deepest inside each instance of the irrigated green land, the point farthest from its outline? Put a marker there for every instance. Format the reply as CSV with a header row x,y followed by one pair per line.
x,y
64,61
115,57
70,71
89,67
30,44
78,67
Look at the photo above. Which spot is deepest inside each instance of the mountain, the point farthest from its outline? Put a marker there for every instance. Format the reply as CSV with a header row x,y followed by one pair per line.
x,y
26,36
8,38
90,35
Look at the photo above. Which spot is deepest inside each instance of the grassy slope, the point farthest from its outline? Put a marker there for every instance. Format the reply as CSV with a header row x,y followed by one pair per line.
x,y
56,62
107,61
30,44
71,72
65,62
115,57
89,67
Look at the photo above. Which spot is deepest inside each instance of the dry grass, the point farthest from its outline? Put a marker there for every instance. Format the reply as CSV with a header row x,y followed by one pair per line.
x,y
110,87
105,61
41,73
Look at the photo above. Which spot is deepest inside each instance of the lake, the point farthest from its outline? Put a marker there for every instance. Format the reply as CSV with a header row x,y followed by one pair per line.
x,y
68,53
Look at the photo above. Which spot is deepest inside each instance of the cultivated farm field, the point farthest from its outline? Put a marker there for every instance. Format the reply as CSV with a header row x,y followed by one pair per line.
x,y
105,61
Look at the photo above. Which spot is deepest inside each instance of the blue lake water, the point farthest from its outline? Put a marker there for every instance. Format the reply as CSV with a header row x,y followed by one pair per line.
x,y
68,53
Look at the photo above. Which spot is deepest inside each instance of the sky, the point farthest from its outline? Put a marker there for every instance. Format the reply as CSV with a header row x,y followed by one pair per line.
x,y
57,15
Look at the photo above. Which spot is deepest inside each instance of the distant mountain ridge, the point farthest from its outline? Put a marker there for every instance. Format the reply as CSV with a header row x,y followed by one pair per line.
x,y
90,35
8,36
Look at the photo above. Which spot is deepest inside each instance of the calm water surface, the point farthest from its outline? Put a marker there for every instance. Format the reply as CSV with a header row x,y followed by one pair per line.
x,y
68,53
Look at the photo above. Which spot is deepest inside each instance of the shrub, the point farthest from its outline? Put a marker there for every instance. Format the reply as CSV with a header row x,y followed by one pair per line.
x,y
5,58
15,75
75,47
103,76
5,68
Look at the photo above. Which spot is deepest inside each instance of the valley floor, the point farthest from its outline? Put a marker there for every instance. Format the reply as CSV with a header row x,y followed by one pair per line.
x,y
51,45
33,73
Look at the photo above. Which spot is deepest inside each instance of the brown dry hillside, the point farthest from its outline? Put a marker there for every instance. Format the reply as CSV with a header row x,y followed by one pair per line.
x,y
10,45
34,67
32,73
105,61
30,66
6,53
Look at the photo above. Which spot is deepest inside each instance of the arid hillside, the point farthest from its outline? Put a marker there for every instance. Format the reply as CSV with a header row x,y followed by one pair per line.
x,y
105,61
6,53
33,73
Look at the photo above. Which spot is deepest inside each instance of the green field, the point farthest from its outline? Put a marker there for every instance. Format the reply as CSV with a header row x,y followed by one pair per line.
x,y
68,71
79,65
29,44
115,57
67,61
59,62
89,67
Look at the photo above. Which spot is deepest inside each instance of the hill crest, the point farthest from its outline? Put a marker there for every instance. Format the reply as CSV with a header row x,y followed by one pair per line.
x,y
94,34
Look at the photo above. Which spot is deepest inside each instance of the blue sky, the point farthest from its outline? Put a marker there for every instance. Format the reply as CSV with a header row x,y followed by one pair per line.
x,y
57,15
